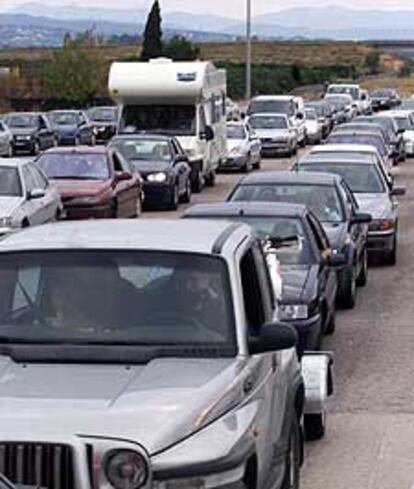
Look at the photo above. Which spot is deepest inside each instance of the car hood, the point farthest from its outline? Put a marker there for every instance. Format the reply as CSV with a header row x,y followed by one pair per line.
x,y
150,166
9,204
409,136
295,280
378,205
235,143
80,188
336,233
156,405
67,128
271,133
22,131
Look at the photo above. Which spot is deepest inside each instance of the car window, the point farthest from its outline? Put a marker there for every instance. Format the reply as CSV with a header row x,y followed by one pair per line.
x,y
321,238
141,149
264,278
85,166
29,180
10,184
119,163
38,177
252,293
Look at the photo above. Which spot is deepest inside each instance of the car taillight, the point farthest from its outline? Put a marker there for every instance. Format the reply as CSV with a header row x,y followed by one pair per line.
x,y
381,225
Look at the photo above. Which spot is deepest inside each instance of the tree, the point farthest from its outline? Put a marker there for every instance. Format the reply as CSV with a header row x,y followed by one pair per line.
x,y
152,45
75,74
180,49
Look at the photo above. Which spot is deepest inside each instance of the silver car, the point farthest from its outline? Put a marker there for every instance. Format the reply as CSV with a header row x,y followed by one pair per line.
x,y
276,132
373,195
27,198
243,148
130,361
6,140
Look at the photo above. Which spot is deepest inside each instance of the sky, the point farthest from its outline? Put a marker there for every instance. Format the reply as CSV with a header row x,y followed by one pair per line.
x,y
230,8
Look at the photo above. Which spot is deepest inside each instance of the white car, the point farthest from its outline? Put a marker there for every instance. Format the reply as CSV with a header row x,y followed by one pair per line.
x,y
233,112
346,99
243,148
405,123
313,127
27,197
6,140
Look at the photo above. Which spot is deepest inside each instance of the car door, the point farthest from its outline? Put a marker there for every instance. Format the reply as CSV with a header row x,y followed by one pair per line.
x,y
127,190
49,204
254,144
181,167
85,129
327,283
31,207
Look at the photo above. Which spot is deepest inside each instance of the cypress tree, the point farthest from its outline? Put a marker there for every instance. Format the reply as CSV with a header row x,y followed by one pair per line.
x,y
152,44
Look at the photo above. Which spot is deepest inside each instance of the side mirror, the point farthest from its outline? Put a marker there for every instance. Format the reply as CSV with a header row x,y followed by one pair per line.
x,y
181,159
337,260
36,193
123,175
401,131
274,336
398,191
300,116
361,218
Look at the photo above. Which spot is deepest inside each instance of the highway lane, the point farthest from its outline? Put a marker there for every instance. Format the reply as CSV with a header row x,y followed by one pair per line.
x,y
370,438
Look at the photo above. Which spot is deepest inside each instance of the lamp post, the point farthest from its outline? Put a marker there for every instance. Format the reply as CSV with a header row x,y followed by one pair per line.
x,y
248,50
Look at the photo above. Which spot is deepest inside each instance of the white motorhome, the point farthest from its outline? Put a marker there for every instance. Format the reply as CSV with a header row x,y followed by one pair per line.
x,y
289,105
185,99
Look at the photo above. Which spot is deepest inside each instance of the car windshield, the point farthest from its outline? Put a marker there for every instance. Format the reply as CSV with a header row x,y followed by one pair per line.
x,y
10,185
143,149
371,140
103,114
21,120
353,91
86,166
319,109
310,114
114,298
403,123
64,118
361,178
179,120
276,106
381,93
323,200
344,155
338,104
236,132
268,122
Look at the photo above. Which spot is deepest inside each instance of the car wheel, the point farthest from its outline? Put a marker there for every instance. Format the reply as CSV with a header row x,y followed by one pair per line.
x,y
211,179
138,206
114,209
314,426
36,148
10,151
257,165
93,140
187,194
77,141
25,223
363,274
391,257
331,325
291,479
174,198
347,289
197,183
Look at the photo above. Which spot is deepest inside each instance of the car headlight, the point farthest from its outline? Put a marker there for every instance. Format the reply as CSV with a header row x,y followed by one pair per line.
x,y
126,469
381,225
24,138
290,312
159,177
6,222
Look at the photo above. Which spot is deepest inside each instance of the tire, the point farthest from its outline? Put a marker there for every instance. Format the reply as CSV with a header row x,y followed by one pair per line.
x,y
114,209
10,151
363,275
314,426
391,256
138,206
291,479
347,289
77,141
331,325
197,183
25,223
211,179
186,198
174,199
36,148
257,165
93,140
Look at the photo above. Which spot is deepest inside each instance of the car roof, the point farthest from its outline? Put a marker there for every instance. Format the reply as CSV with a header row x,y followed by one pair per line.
x,y
78,150
268,114
232,209
289,177
329,148
123,234
274,97
15,162
63,111
336,161
352,132
155,137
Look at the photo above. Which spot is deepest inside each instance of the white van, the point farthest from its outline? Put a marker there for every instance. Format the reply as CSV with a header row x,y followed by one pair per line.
x,y
185,99
293,107
352,89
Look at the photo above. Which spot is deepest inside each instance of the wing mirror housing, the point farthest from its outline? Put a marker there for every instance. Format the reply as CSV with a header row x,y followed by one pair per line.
x,y
361,218
36,193
181,159
123,176
398,191
274,336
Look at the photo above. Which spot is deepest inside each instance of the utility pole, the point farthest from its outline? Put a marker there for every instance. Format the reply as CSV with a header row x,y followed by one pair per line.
x,y
248,50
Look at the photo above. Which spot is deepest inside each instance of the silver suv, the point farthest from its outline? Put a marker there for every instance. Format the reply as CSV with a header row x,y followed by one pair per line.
x,y
129,360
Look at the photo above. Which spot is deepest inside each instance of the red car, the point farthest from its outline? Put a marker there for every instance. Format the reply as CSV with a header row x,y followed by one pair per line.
x,y
94,182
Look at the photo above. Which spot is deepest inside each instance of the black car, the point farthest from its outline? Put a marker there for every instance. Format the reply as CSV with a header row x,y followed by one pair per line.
x,y
162,164
73,127
384,98
306,262
105,121
331,200
31,132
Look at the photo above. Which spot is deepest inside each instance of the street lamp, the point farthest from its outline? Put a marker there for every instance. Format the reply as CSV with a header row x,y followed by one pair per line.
x,y
248,50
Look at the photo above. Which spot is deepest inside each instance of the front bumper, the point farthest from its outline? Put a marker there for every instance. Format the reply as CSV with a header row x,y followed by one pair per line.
x,y
379,242
273,147
72,212
234,162
65,140
23,144
157,194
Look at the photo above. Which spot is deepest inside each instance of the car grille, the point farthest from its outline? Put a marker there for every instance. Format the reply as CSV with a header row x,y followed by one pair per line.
x,y
45,465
